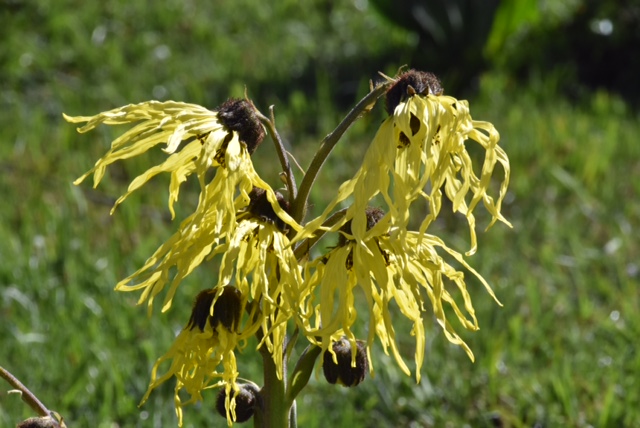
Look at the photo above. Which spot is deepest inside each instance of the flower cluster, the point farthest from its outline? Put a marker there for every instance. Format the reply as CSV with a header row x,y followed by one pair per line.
x,y
267,281
238,215
421,144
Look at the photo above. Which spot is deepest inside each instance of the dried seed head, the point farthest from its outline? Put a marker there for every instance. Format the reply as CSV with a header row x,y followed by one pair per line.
x,y
261,208
374,215
240,116
247,400
226,311
343,373
409,84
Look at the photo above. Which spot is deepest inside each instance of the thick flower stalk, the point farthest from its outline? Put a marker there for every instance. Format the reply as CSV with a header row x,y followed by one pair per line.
x,y
419,151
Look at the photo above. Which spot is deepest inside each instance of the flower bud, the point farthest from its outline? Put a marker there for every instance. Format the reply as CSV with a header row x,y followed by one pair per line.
x,y
261,208
226,311
52,421
45,422
374,215
247,400
343,373
409,84
240,116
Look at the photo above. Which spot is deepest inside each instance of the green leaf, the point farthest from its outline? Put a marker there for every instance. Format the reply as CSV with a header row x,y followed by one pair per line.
x,y
302,372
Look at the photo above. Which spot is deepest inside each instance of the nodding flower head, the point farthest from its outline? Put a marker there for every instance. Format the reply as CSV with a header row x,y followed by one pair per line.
x,y
203,354
262,209
247,399
420,154
409,84
240,116
227,309
373,215
344,365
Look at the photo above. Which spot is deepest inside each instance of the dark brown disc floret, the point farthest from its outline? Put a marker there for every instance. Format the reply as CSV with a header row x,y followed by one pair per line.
x,y
409,84
240,116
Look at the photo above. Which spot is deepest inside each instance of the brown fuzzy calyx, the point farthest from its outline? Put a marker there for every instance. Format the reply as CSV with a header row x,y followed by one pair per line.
x,y
240,116
343,373
226,311
261,208
374,215
409,84
247,399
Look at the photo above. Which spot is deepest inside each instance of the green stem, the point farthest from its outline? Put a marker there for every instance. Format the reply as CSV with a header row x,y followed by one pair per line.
x,y
277,404
275,411
305,246
293,419
282,153
366,104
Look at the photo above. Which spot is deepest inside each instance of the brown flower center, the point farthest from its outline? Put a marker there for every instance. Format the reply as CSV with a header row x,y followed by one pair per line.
x,y
240,116
409,84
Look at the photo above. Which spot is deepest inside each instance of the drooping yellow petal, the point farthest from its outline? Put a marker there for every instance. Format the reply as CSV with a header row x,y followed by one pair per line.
x,y
417,152
195,359
163,122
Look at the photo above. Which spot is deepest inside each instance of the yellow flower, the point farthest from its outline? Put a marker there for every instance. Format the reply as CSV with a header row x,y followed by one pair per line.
x,y
197,139
259,260
419,150
407,272
208,341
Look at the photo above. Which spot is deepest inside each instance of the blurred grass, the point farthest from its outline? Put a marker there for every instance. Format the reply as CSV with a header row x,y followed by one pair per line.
x,y
559,353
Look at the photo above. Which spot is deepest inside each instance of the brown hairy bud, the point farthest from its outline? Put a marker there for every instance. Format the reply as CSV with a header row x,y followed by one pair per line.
x,y
240,116
226,311
42,422
247,400
409,84
343,373
374,215
261,208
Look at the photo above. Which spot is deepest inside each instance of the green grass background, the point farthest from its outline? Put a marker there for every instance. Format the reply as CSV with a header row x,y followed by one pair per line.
x,y
561,352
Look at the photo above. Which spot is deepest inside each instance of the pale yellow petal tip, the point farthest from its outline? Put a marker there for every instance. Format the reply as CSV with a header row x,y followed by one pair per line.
x,y
501,219
77,119
73,119
506,222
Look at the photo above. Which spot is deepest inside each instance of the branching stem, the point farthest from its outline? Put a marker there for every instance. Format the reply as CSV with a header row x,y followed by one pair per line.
x,y
305,246
275,411
329,142
270,123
